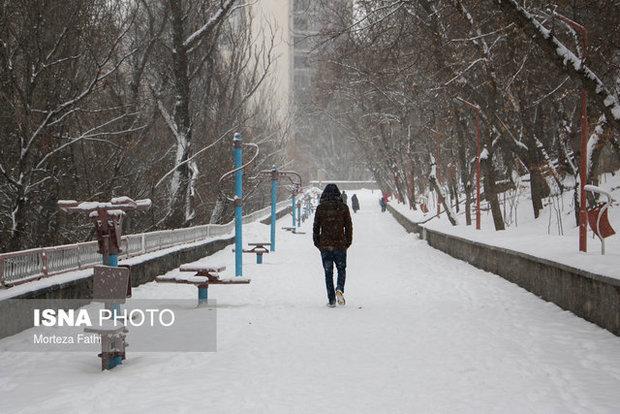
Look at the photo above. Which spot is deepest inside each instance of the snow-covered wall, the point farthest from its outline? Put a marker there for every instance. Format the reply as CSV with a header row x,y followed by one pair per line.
x,y
593,297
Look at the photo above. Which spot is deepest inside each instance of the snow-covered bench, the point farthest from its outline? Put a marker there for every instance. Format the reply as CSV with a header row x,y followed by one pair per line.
x,y
203,276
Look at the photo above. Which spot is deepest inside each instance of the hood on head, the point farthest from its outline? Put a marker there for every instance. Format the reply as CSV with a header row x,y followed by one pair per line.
x,y
331,192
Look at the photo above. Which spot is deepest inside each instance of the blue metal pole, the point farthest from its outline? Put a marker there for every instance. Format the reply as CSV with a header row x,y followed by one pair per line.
x,y
238,203
299,214
203,294
274,199
293,209
112,261
114,307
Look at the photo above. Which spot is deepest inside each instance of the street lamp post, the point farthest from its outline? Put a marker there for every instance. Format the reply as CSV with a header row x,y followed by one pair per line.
x,y
583,218
477,108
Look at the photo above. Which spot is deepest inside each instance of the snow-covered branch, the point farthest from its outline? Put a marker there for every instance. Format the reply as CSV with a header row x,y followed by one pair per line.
x,y
172,126
195,37
593,142
566,60
193,157
85,135
461,73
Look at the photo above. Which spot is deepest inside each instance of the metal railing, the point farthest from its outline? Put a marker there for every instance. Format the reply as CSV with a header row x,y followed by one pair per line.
x,y
27,265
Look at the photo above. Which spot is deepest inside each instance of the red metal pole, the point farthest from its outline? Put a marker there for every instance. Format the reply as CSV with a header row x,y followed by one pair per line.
x,y
478,169
438,173
583,218
583,165
412,201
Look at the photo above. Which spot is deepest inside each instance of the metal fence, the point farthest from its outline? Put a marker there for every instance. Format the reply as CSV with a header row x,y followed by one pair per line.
x,y
26,265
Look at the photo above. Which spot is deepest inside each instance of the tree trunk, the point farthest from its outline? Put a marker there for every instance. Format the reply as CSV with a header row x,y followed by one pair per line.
x,y
490,193
180,196
18,230
218,210
411,185
454,194
442,199
536,190
468,204
464,165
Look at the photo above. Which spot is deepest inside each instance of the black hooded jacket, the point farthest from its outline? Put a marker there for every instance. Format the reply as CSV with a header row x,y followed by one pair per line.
x,y
332,228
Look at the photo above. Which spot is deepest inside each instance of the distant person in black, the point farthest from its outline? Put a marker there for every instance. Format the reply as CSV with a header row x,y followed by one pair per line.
x,y
332,234
344,196
355,204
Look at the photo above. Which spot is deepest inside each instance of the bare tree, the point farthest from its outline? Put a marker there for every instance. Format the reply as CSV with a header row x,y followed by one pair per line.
x,y
54,59
396,66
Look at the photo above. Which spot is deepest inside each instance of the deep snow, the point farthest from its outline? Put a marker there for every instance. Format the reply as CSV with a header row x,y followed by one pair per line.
x,y
421,333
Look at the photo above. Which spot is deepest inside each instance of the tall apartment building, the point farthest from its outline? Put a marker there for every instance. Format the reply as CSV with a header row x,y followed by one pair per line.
x,y
304,24
295,24
271,18
298,24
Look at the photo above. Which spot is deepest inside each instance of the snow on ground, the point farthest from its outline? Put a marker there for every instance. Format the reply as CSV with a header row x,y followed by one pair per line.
x,y
421,333
553,236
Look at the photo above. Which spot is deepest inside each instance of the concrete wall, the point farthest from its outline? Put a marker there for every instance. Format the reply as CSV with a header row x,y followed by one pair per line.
x,y
279,214
593,297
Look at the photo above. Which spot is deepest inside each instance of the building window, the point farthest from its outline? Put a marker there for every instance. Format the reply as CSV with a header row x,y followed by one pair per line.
x,y
301,6
300,23
300,41
301,61
302,80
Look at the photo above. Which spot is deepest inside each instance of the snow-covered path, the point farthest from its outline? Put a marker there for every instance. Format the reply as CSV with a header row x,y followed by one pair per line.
x,y
421,333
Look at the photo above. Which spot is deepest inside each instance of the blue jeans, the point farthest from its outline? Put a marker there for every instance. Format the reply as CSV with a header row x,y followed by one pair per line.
x,y
339,258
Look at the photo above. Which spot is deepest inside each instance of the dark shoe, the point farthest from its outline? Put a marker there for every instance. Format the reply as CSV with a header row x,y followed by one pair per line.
x,y
331,304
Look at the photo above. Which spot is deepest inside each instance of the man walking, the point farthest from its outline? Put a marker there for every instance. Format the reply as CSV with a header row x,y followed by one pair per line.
x,y
332,233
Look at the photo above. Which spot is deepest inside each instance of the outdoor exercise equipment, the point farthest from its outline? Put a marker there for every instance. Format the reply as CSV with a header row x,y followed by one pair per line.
x,y
294,183
237,199
107,218
111,284
259,249
275,175
204,275
597,216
